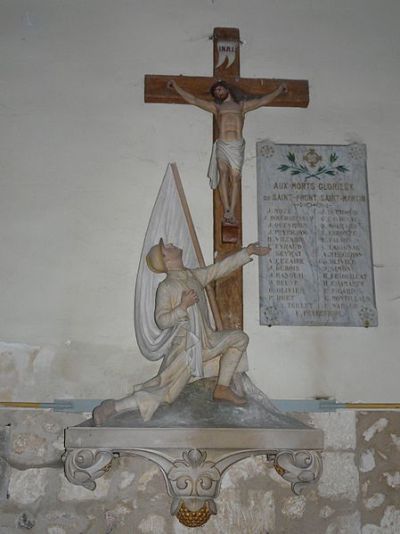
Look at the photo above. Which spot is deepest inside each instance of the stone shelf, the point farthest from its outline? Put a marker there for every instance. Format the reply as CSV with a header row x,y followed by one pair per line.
x,y
193,457
115,438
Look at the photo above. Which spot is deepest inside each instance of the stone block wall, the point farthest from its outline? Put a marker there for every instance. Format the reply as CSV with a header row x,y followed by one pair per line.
x,y
358,492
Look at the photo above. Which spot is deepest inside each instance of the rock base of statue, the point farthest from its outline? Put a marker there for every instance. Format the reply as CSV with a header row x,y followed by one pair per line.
x,y
206,437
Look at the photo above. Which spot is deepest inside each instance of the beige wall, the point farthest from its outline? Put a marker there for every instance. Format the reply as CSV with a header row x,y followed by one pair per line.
x,y
82,157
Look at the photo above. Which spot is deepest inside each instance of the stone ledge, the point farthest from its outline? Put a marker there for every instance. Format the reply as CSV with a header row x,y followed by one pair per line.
x,y
203,438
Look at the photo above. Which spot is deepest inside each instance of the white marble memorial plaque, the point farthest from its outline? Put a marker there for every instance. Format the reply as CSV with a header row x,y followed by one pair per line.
x,y
313,212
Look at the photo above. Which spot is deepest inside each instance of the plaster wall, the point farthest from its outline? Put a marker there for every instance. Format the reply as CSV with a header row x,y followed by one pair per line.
x,y
82,158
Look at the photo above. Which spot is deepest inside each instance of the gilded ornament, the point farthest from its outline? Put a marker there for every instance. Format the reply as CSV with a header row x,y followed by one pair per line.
x,y
195,518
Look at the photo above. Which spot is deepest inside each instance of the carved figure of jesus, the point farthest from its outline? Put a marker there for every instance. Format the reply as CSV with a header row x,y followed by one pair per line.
x,y
229,109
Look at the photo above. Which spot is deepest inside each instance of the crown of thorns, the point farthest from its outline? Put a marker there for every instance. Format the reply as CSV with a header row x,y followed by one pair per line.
x,y
219,83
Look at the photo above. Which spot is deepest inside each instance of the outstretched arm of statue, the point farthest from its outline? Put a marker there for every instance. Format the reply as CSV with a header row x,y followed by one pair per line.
x,y
256,103
229,264
192,99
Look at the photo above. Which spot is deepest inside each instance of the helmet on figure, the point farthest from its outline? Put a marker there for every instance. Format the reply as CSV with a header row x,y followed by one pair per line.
x,y
154,259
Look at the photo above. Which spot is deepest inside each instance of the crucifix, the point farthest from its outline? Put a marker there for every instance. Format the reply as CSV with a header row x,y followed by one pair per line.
x,y
227,159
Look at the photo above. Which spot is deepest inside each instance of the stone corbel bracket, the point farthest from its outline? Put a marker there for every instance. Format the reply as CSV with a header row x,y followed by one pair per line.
x,y
193,477
300,468
83,466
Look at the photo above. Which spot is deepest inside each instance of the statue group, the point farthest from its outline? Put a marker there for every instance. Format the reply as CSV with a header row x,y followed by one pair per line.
x,y
190,345
201,397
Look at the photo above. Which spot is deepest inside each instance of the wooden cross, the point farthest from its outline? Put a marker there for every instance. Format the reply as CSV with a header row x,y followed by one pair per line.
x,y
229,291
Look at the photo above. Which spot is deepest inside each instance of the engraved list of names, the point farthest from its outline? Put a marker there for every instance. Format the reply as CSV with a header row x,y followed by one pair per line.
x,y
313,212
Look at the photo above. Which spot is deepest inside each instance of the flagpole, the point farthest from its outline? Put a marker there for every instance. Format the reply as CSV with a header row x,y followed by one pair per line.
x,y
210,290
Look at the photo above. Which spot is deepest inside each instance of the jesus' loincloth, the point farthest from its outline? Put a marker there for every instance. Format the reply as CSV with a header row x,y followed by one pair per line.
x,y
230,151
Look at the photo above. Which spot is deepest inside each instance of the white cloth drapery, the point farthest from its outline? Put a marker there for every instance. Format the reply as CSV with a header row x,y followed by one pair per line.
x,y
168,221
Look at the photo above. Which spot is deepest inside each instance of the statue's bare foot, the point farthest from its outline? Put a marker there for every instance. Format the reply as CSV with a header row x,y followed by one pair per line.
x,y
229,217
104,411
225,393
